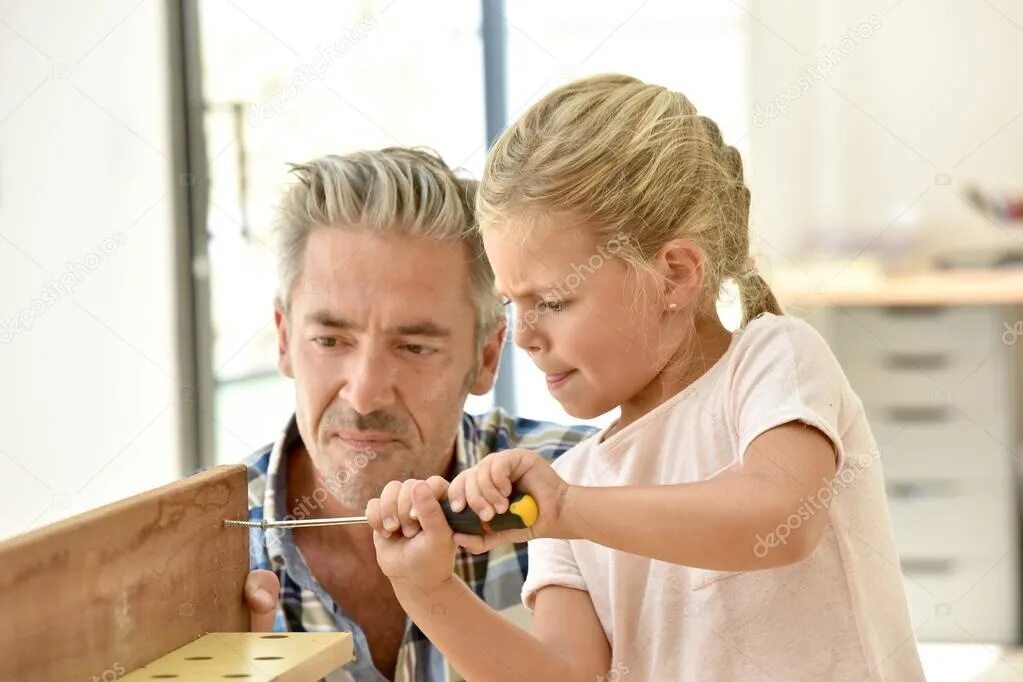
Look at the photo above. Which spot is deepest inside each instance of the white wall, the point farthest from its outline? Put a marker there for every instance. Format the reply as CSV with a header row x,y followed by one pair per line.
x,y
930,97
89,408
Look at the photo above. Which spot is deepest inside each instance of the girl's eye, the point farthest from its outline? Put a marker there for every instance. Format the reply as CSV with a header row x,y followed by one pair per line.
x,y
505,301
551,306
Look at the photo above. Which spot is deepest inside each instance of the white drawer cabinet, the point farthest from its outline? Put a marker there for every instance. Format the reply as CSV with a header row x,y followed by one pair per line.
x,y
941,388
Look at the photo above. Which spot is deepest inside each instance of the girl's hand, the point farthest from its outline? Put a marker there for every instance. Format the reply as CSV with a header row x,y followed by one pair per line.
x,y
487,486
414,544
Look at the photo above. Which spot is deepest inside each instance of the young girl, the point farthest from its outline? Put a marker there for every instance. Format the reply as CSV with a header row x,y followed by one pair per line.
x,y
731,524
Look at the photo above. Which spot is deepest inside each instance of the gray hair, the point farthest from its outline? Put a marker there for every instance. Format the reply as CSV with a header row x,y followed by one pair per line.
x,y
389,191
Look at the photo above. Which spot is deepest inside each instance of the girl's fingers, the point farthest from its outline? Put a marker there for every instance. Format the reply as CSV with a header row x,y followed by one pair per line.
x,y
373,514
500,476
438,486
456,492
475,499
476,544
489,490
389,507
430,512
409,526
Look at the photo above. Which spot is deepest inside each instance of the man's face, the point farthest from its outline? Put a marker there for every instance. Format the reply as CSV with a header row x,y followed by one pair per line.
x,y
380,341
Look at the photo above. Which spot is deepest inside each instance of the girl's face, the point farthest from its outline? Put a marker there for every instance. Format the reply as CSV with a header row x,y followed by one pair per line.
x,y
594,326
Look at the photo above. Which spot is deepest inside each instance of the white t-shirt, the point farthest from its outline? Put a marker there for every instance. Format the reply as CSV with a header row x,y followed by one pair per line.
x,y
840,614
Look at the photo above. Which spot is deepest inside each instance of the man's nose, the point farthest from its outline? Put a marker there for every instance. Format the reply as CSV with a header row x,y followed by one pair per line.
x,y
369,382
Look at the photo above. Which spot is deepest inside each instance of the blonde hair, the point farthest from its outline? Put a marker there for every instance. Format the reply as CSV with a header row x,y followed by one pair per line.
x,y
389,191
632,159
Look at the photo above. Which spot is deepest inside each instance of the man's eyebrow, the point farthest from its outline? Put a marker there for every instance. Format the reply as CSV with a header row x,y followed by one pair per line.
x,y
327,319
427,328
424,328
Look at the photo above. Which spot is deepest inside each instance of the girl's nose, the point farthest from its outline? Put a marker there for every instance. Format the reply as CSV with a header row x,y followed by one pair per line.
x,y
527,336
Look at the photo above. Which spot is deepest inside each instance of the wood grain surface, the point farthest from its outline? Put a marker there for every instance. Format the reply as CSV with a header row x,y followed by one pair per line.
x,y
98,595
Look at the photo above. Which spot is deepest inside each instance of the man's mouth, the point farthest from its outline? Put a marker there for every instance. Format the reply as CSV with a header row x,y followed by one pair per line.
x,y
365,440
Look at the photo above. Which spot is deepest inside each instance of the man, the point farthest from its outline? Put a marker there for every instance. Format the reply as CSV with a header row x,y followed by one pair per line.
x,y
387,319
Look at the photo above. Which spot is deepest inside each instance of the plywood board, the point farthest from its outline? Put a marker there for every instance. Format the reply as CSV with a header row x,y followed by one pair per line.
x,y
255,657
100,594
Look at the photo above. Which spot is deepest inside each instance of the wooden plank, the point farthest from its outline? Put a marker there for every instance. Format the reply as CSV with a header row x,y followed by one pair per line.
x,y
254,657
100,594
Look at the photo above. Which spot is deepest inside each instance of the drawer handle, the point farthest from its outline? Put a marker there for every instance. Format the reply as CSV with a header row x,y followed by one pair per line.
x,y
912,490
914,310
916,361
921,414
928,566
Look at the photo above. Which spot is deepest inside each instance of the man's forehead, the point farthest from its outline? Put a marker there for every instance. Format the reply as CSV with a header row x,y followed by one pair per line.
x,y
354,258
399,281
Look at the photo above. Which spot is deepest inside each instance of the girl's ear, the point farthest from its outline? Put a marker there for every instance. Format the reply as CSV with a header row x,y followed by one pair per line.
x,y
680,263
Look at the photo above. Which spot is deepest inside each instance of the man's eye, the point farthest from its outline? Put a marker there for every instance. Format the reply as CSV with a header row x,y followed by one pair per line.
x,y
326,341
416,349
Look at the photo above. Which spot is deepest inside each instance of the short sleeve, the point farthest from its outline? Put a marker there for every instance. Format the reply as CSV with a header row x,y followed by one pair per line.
x,y
551,562
787,373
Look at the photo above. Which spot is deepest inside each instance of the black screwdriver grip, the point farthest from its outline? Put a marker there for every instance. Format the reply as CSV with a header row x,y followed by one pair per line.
x,y
522,513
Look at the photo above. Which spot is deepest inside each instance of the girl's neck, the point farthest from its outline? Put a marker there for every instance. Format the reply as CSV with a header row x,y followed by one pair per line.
x,y
690,361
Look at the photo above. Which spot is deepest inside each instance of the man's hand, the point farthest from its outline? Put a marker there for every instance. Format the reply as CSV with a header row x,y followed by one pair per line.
x,y
487,486
261,591
414,544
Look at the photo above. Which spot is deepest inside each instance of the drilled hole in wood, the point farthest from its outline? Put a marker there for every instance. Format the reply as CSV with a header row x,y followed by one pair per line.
x,y
268,658
274,637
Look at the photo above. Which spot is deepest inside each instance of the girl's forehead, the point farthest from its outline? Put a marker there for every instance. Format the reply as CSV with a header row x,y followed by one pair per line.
x,y
534,260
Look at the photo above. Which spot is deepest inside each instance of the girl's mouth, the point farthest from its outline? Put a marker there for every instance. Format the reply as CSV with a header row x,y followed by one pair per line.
x,y
555,381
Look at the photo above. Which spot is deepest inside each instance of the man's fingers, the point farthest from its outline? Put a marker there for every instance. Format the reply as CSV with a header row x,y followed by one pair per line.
x,y
261,592
428,511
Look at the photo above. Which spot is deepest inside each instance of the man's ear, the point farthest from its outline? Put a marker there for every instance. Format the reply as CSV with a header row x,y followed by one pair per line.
x,y
681,264
490,359
283,357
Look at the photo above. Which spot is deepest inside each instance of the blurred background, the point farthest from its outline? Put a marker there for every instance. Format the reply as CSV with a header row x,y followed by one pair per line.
x,y
144,145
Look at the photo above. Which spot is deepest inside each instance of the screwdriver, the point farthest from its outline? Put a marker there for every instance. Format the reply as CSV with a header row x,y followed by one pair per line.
x,y
522,513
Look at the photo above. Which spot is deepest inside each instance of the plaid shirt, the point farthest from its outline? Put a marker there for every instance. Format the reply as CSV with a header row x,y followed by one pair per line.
x,y
305,606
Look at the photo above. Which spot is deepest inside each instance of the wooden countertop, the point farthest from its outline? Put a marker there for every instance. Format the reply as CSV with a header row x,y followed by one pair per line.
x,y
945,287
